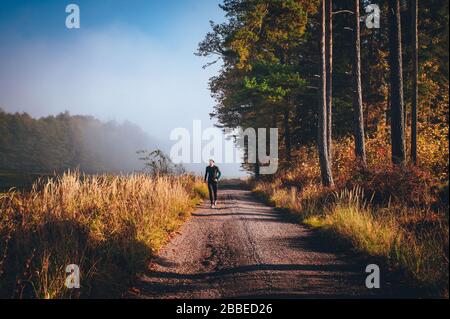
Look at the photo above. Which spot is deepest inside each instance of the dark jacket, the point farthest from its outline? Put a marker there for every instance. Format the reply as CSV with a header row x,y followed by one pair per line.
x,y
212,174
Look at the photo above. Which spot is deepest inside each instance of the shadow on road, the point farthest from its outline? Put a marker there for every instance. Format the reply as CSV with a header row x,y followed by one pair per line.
x,y
246,249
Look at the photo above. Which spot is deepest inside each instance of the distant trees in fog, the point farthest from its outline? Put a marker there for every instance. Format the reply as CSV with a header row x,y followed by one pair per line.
x,y
57,143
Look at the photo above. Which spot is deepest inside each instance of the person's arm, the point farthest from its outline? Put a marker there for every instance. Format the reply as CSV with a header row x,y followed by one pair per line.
x,y
206,173
219,173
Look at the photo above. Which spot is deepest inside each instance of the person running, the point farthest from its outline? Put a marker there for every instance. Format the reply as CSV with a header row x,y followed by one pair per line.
x,y
212,175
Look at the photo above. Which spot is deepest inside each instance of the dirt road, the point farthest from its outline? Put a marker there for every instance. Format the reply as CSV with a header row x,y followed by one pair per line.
x,y
247,249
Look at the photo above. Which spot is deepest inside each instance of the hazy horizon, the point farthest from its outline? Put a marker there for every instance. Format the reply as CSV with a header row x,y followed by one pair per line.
x,y
128,62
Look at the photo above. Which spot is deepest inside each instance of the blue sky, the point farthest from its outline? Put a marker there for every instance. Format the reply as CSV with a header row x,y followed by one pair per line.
x,y
130,60
160,19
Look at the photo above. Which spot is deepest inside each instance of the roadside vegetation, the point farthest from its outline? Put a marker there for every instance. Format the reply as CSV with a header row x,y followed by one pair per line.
x,y
362,116
107,225
399,215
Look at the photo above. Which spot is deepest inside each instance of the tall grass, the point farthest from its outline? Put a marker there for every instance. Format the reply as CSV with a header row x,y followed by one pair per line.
x,y
412,240
107,225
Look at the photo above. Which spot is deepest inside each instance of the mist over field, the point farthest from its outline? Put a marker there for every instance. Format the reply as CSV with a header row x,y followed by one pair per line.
x,y
58,143
127,63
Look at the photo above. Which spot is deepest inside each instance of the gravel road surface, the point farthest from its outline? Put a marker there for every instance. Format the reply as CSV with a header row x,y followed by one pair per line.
x,y
246,249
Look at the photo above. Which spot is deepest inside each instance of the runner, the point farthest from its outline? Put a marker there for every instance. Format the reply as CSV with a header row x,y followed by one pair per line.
x,y
212,175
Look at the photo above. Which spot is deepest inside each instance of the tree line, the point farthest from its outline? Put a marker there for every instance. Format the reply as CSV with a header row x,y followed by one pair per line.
x,y
57,143
313,69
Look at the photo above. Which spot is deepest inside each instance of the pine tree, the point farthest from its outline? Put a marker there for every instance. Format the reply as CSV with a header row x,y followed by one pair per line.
x,y
360,149
396,79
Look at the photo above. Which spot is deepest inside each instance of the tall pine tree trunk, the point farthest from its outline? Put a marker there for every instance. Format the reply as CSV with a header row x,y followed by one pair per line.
x,y
329,66
415,88
257,165
360,148
327,178
287,133
274,117
397,102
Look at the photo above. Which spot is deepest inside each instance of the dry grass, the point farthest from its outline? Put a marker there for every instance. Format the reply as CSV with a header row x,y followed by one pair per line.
x,y
413,240
108,225
397,213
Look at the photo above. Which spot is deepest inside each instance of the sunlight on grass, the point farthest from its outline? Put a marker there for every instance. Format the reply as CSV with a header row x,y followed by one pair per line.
x,y
384,232
108,225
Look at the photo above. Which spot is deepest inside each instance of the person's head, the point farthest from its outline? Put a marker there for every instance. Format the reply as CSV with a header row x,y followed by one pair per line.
x,y
211,162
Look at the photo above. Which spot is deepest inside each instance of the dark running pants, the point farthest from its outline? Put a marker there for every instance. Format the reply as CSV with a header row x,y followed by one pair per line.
x,y
212,188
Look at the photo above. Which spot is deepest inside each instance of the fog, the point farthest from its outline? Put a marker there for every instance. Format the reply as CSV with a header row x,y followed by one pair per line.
x,y
114,71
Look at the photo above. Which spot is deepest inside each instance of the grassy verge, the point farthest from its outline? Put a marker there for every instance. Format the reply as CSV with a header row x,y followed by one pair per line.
x,y
107,225
412,240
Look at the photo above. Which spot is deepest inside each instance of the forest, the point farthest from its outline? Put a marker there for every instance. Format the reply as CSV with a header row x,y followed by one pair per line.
x,y
275,75
58,143
363,116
